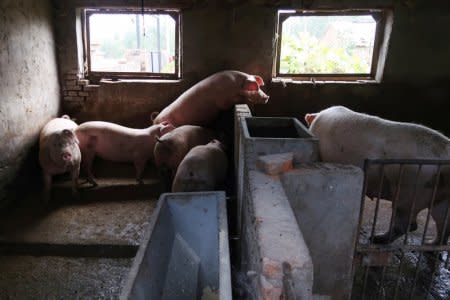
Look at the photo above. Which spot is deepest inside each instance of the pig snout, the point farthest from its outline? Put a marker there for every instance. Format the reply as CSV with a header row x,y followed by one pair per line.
x,y
66,156
257,97
252,91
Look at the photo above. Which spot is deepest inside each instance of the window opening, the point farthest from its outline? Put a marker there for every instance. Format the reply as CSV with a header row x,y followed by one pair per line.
x,y
132,43
334,45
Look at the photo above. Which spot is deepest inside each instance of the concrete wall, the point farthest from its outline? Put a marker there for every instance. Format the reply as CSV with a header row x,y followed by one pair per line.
x,y
326,199
29,90
239,35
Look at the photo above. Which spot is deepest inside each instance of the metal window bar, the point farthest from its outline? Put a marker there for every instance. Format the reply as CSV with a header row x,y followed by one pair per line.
x,y
406,267
96,76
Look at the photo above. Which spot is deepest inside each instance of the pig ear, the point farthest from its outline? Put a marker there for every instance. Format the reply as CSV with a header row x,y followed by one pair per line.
x,y
221,145
165,128
259,80
68,133
309,118
250,85
154,115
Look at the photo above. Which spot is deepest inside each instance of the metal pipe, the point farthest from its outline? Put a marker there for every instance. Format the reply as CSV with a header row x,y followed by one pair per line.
x,y
430,208
377,205
413,206
395,201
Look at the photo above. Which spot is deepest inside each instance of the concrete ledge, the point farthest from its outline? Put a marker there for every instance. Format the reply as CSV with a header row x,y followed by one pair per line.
x,y
240,111
276,249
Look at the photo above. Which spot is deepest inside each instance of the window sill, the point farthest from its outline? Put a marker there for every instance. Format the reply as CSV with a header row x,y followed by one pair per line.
x,y
155,80
286,81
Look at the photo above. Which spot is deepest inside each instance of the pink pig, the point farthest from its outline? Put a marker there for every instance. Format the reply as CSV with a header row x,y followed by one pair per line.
x,y
118,143
204,168
202,103
172,147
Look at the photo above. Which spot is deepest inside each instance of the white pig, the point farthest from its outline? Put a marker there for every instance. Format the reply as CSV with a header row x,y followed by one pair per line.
x,y
350,137
204,168
118,143
59,152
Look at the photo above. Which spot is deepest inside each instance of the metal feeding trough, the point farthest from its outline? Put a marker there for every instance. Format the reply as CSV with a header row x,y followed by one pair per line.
x,y
184,254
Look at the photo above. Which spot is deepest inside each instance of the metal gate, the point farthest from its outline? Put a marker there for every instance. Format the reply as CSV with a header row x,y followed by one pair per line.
x,y
401,251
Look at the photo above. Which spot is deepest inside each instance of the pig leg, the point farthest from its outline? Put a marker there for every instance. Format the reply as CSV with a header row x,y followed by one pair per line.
x,y
439,214
399,227
139,165
75,174
87,157
166,176
47,186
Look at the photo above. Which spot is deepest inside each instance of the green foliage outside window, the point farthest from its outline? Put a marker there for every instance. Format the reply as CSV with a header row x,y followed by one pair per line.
x,y
304,53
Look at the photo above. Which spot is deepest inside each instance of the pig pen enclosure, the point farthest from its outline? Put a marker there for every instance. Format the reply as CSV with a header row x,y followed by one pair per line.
x,y
407,268
299,227
414,265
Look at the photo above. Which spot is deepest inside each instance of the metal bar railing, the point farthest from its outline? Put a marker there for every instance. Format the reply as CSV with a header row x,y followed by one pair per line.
x,y
417,184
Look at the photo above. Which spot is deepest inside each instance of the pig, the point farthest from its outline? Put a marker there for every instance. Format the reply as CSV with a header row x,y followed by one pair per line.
x,y
118,143
350,137
204,168
203,102
172,147
59,153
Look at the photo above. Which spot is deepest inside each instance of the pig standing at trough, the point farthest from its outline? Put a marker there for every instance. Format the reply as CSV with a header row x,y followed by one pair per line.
x,y
349,137
202,103
59,152
204,168
171,148
118,143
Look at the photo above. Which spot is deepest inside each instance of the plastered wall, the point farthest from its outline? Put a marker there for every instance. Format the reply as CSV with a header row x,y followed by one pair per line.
x,y
29,90
239,35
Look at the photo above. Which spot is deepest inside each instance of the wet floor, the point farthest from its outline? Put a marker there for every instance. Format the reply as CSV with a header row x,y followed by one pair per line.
x,y
408,274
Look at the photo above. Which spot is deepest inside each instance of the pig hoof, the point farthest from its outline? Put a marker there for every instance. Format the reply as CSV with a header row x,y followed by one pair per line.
x,y
140,181
91,181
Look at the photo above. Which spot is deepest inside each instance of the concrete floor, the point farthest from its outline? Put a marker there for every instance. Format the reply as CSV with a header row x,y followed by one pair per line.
x,y
52,277
77,248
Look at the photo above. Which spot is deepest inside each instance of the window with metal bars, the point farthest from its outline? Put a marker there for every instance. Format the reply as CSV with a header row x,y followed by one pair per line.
x,y
131,43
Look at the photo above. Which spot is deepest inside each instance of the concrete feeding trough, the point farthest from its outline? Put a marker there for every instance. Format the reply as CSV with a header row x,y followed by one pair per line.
x,y
184,254
264,135
265,127
261,136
